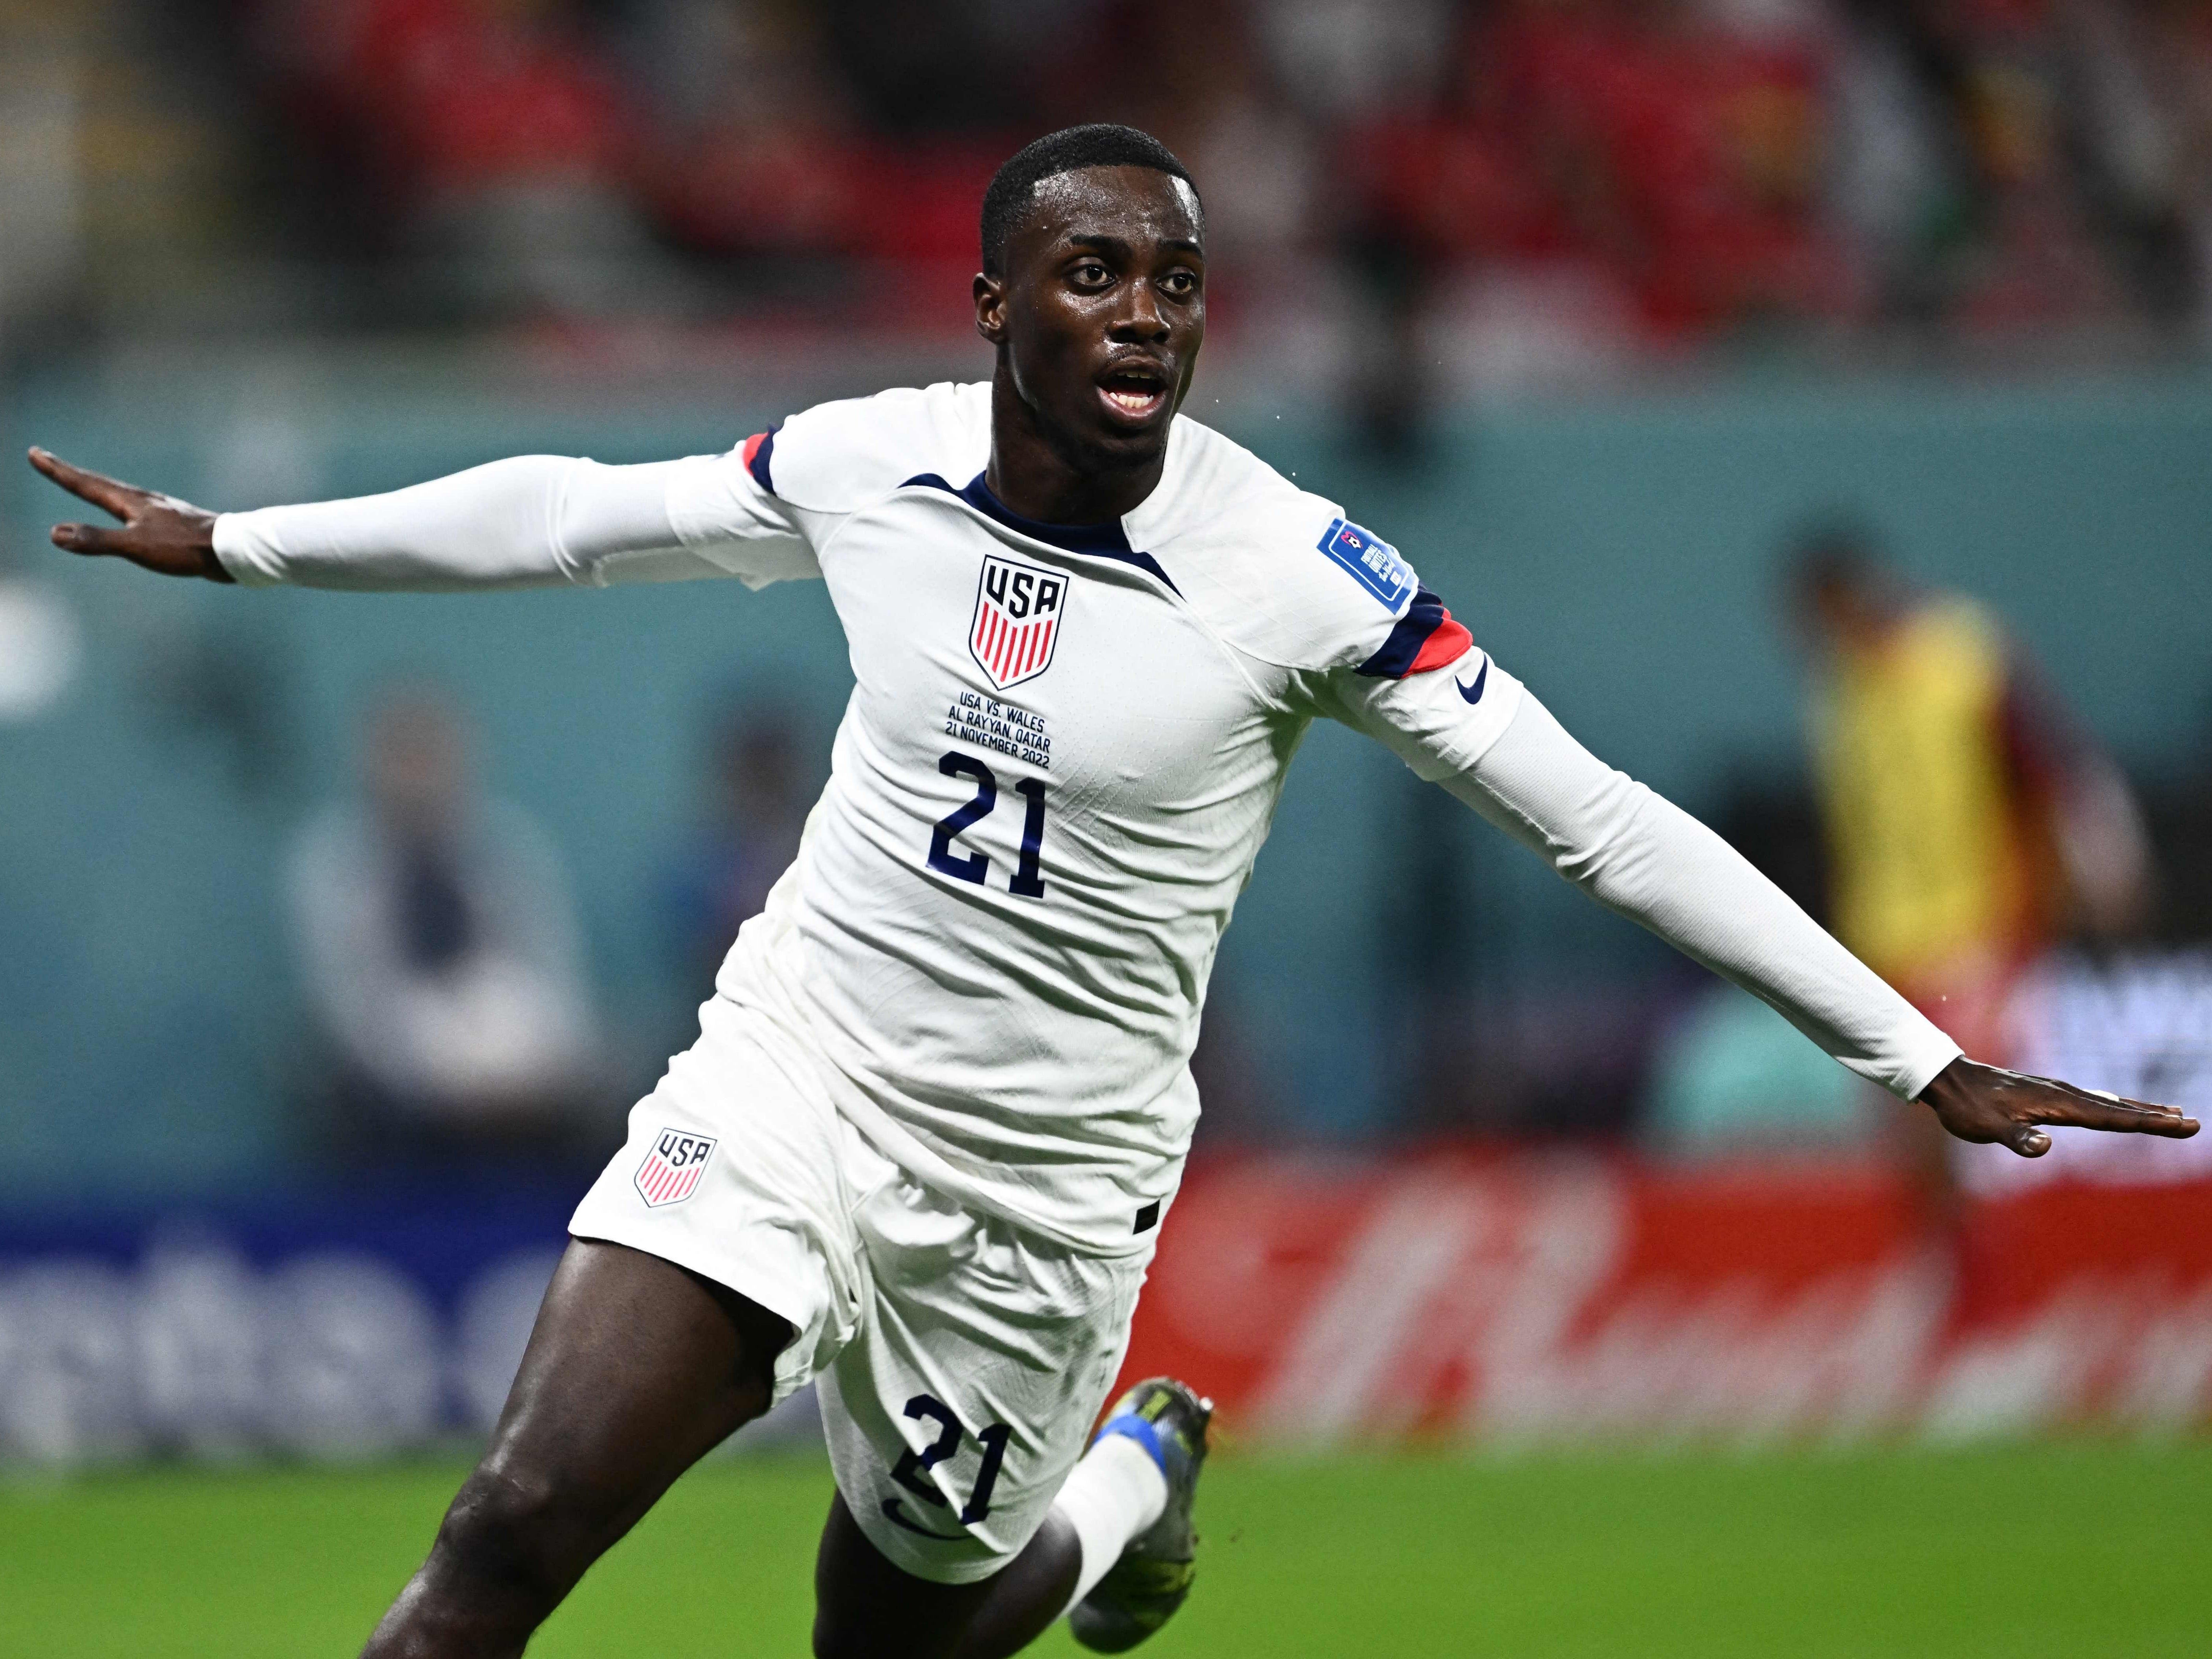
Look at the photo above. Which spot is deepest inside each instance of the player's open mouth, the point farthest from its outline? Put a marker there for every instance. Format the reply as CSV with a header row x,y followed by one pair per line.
x,y
1139,392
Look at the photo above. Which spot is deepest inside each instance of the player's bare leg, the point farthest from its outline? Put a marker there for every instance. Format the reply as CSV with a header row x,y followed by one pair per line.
x,y
635,1371
867,1608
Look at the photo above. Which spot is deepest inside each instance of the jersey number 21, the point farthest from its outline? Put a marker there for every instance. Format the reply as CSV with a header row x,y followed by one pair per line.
x,y
1027,881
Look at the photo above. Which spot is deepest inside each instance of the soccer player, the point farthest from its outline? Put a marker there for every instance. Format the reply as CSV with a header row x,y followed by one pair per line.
x,y
939,1101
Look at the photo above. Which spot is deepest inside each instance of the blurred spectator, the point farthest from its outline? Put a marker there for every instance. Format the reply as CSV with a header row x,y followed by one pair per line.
x,y
441,952
758,808
1969,823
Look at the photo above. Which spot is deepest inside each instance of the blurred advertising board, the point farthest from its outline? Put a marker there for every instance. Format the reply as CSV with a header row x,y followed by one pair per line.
x,y
329,1328
2138,1023
1456,1294
1507,1298
337,1327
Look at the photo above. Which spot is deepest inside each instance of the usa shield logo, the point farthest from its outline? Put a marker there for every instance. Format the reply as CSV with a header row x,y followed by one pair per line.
x,y
1018,610
672,1170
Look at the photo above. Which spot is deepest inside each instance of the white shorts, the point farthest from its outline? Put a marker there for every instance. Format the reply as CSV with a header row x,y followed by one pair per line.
x,y
961,1361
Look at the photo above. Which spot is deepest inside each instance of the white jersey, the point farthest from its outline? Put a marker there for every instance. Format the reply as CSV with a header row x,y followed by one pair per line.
x,y
1062,755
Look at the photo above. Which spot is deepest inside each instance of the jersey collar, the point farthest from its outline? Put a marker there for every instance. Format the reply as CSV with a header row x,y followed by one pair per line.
x,y
1105,541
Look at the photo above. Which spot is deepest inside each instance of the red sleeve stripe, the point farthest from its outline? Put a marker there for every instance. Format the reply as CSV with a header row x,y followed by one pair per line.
x,y
1444,648
758,450
1425,638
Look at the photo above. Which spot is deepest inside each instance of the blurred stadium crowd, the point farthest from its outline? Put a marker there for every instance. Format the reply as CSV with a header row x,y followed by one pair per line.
x,y
1653,173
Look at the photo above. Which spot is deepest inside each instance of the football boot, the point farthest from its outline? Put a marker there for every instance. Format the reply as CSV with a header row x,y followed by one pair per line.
x,y
1142,1590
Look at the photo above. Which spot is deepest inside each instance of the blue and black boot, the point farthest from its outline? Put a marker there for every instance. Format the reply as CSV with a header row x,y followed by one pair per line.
x,y
1142,1590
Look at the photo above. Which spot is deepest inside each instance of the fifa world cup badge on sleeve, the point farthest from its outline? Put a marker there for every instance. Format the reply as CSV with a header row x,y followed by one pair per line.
x,y
1018,608
672,1170
1370,562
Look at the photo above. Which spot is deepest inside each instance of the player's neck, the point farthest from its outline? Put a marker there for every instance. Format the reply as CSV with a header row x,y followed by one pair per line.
x,y
1036,478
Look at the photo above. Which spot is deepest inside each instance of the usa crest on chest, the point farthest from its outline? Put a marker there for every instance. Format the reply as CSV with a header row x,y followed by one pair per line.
x,y
1019,609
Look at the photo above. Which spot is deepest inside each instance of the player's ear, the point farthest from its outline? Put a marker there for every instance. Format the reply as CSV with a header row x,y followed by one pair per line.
x,y
991,306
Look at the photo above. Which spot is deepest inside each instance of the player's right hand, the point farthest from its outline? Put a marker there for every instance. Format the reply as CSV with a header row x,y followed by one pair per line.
x,y
1988,1103
160,532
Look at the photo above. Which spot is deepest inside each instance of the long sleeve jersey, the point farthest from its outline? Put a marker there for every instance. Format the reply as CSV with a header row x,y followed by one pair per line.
x,y
1062,752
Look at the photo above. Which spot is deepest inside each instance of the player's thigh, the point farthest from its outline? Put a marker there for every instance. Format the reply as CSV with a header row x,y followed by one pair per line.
x,y
981,1363
733,1170
636,1369
712,1261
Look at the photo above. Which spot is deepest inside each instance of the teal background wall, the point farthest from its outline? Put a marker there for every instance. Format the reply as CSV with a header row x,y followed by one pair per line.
x,y
1618,554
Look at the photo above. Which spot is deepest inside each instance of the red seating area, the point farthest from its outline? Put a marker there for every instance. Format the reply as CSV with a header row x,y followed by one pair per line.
x,y
1691,158
440,93
1686,161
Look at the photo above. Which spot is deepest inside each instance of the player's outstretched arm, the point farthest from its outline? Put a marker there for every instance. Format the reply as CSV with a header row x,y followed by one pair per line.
x,y
528,521
1652,862
160,532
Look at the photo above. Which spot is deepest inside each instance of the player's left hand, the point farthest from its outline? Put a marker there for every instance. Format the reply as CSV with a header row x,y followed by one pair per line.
x,y
1988,1103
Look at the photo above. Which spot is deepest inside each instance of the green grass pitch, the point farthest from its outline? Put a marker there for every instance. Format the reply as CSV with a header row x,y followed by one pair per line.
x,y
2078,1548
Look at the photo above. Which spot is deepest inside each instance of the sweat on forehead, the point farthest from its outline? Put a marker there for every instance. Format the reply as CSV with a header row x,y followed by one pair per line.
x,y
1014,189
1083,194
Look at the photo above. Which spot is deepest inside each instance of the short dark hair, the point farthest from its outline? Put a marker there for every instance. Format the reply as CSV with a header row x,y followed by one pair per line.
x,y
1098,144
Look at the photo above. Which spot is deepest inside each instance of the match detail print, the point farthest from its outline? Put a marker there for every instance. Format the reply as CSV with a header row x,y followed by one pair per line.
x,y
672,1170
1018,610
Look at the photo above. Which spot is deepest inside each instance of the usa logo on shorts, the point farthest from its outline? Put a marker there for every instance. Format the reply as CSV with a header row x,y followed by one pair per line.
x,y
1018,608
673,1167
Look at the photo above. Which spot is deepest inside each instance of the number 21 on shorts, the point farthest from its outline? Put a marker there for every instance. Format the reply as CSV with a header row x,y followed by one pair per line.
x,y
913,1467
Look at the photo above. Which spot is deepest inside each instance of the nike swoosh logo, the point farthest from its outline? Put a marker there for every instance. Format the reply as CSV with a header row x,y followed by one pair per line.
x,y
895,1514
1475,695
